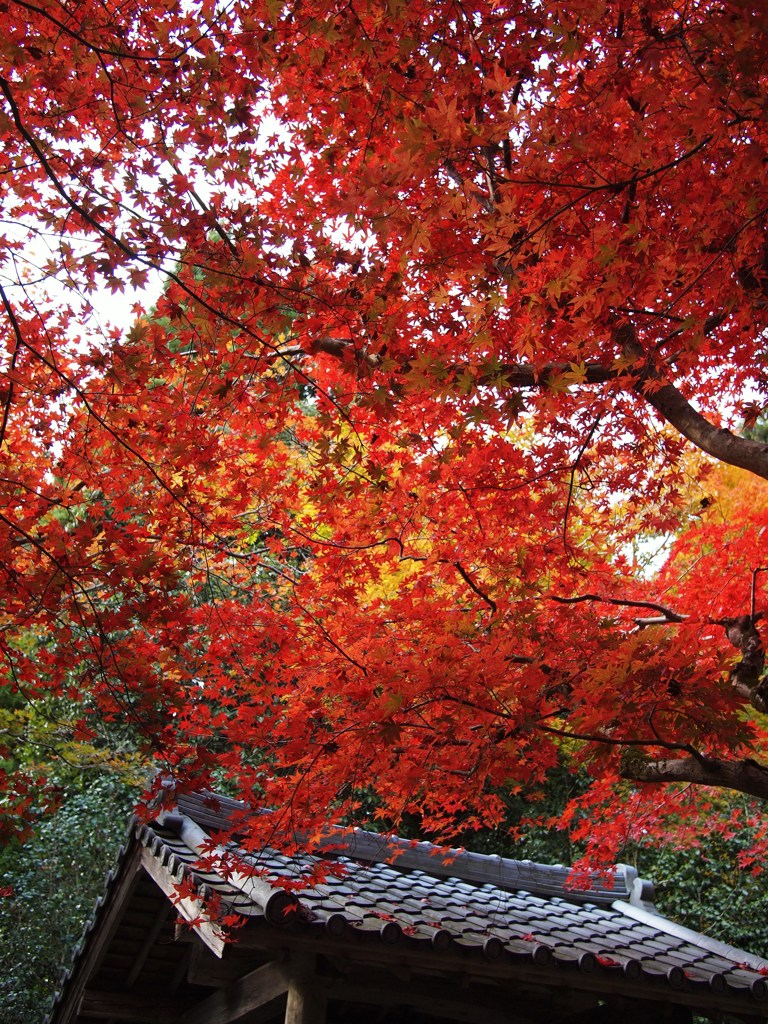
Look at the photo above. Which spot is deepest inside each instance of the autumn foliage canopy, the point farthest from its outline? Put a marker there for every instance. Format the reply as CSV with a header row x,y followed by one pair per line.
x,y
357,357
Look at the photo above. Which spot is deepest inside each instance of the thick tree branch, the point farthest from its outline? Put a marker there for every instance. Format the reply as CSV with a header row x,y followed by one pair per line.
x,y
672,405
718,442
747,675
746,776
513,375
662,396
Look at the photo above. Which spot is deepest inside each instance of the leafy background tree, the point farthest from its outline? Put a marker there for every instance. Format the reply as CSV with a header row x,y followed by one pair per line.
x,y
50,885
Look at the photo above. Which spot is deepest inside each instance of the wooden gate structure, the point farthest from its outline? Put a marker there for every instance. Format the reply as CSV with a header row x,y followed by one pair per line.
x,y
402,934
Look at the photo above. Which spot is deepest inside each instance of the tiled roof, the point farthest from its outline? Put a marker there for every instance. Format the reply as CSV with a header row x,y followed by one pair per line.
x,y
473,908
394,890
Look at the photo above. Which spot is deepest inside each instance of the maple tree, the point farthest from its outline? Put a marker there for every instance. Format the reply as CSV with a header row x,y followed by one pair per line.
x,y
461,299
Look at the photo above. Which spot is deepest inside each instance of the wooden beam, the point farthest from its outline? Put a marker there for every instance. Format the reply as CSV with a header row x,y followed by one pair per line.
x,y
98,941
366,949
441,1001
144,1008
210,972
182,967
257,991
149,941
207,929
630,1012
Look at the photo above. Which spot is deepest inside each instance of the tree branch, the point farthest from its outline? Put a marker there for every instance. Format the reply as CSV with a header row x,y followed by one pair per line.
x,y
746,776
747,675
662,396
667,613
471,583
513,375
718,442
619,741
672,405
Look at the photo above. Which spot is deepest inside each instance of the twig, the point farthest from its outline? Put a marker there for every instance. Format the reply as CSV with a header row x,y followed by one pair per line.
x,y
619,742
572,479
471,583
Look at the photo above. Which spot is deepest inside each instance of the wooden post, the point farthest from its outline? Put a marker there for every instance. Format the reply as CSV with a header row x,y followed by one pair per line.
x,y
306,997
251,998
